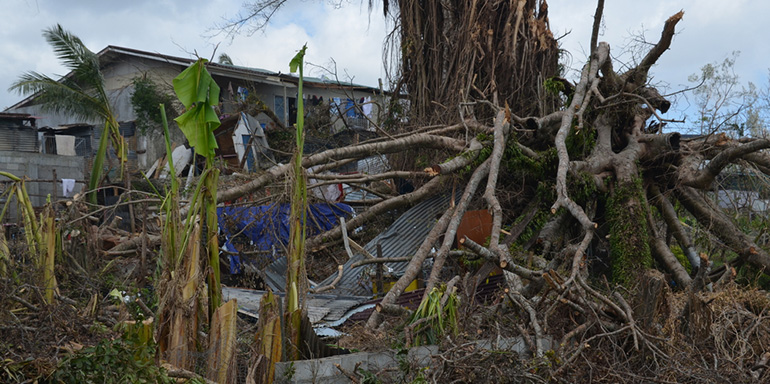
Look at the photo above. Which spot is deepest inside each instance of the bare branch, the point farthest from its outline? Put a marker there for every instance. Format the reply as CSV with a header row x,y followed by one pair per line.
x,y
705,176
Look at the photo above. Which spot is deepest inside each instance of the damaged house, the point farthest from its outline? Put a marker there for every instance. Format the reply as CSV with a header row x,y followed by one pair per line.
x,y
241,87
48,172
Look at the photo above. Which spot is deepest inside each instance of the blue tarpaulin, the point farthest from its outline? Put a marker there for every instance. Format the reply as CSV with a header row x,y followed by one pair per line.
x,y
267,226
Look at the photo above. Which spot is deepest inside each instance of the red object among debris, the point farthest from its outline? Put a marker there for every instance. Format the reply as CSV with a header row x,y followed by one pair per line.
x,y
477,225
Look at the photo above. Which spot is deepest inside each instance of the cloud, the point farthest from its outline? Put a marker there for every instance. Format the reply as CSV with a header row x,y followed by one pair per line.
x,y
709,32
170,27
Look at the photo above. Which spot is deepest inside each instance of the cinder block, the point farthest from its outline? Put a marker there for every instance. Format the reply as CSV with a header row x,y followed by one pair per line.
x,y
380,360
348,362
422,355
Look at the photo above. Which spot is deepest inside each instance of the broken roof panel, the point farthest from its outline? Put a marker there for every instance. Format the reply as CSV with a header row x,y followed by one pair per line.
x,y
322,308
401,239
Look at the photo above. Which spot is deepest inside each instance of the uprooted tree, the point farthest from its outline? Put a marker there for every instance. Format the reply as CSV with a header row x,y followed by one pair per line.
x,y
597,215
578,174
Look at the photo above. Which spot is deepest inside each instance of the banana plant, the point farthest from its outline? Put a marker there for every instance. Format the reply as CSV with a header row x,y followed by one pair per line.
x,y
179,266
42,236
198,92
296,279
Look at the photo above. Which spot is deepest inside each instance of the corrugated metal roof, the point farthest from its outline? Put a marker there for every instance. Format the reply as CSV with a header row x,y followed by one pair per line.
x,y
23,139
373,165
322,308
275,275
401,239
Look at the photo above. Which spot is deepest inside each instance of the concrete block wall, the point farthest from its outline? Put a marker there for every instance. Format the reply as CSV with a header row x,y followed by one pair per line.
x,y
38,166
325,370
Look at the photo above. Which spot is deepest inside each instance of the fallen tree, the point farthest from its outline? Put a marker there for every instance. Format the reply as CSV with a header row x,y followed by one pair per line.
x,y
582,176
617,259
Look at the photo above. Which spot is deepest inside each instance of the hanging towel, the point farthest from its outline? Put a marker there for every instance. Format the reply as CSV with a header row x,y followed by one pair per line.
x,y
65,145
67,186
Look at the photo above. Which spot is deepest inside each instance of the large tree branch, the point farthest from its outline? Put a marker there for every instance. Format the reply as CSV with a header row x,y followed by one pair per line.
x,y
579,101
492,257
454,223
597,24
663,255
666,210
501,130
705,176
426,190
662,252
760,160
272,174
458,162
638,76
721,227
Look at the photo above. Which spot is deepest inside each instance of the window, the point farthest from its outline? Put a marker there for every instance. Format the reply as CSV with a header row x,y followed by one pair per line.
x,y
279,107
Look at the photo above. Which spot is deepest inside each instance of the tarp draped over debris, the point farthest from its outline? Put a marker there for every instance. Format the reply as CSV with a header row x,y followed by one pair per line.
x,y
267,227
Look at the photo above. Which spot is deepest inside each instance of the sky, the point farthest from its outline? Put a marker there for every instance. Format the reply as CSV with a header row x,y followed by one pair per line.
x,y
353,39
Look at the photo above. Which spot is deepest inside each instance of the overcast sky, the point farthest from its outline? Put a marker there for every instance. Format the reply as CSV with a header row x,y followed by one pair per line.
x,y
709,32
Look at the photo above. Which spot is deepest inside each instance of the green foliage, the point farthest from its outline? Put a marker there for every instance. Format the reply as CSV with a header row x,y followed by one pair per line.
x,y
198,92
288,374
535,225
553,86
295,273
367,377
580,143
581,189
472,262
724,104
751,276
522,165
81,94
225,59
123,360
440,319
145,100
680,256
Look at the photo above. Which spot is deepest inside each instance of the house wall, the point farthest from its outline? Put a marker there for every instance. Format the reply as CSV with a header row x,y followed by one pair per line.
x,y
120,74
17,139
37,166
273,94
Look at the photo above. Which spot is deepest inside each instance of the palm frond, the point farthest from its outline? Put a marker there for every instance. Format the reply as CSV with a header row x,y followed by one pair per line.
x,y
80,93
83,64
70,49
60,96
29,83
